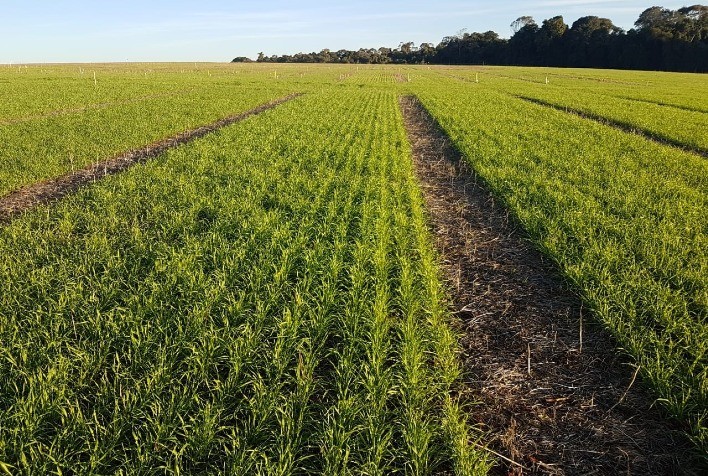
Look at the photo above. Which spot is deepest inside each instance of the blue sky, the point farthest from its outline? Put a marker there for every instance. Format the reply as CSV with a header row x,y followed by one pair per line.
x,y
217,30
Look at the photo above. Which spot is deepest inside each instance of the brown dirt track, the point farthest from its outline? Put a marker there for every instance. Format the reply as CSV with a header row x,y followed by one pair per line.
x,y
579,410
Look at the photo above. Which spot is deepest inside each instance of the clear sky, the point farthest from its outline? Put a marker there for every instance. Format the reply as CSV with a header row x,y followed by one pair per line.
x,y
35,31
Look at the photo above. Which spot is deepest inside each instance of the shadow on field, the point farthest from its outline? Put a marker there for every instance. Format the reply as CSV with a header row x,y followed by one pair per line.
x,y
556,396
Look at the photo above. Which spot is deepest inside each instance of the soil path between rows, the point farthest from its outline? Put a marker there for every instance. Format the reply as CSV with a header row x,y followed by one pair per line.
x,y
15,203
619,125
579,410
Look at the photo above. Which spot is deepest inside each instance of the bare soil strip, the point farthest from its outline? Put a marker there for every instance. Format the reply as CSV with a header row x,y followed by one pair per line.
x,y
625,127
19,201
555,399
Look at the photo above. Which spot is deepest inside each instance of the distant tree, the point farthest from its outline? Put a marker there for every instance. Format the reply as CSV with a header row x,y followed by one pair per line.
x,y
522,46
554,27
521,22
662,39
590,41
242,59
685,24
426,52
549,41
383,51
361,56
407,47
324,56
656,22
679,39
587,27
405,53
693,23
344,56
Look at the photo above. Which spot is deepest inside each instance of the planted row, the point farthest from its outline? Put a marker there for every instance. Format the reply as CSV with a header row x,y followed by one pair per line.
x,y
35,91
264,300
623,217
679,90
677,124
54,145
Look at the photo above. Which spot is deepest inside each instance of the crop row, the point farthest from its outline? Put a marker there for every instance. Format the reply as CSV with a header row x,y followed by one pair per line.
x,y
266,300
45,90
263,300
623,217
48,147
34,92
676,126
679,90
55,120
679,124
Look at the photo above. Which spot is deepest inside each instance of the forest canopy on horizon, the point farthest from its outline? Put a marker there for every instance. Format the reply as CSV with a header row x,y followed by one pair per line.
x,y
663,39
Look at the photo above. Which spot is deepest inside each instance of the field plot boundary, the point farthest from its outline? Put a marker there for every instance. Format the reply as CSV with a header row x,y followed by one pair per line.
x,y
619,125
556,396
19,201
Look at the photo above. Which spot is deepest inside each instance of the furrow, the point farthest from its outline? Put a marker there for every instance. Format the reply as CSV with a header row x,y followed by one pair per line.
x,y
552,386
664,104
622,126
19,201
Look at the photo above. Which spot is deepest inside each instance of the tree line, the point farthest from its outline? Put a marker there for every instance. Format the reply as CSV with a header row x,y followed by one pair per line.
x,y
663,39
